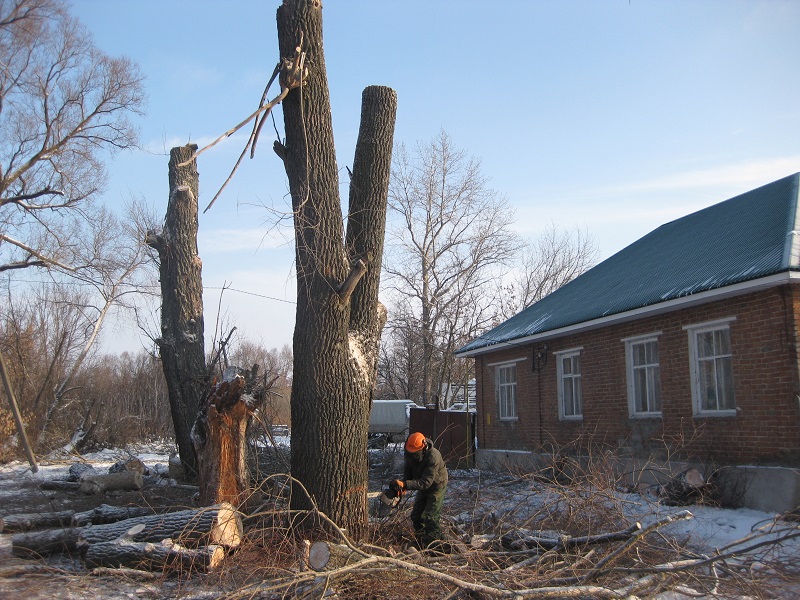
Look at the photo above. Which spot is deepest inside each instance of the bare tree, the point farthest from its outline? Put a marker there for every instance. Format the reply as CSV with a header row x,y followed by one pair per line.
x,y
450,237
49,330
338,321
556,257
63,104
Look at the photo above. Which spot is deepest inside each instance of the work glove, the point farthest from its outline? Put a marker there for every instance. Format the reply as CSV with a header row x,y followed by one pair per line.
x,y
397,486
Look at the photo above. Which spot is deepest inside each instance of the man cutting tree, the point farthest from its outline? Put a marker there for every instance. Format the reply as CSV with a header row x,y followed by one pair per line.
x,y
426,473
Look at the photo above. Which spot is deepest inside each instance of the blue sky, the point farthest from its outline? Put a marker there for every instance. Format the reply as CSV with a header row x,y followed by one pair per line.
x,y
611,115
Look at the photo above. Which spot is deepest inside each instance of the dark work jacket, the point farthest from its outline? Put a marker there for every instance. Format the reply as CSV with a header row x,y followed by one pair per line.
x,y
430,474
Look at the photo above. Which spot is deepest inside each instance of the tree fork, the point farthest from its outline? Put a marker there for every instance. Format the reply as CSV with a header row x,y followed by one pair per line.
x,y
335,341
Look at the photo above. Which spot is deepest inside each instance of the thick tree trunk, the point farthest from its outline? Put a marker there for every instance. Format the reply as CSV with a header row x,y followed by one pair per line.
x,y
337,323
181,342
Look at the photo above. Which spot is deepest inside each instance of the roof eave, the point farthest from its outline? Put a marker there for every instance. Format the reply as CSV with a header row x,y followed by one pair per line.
x,y
650,310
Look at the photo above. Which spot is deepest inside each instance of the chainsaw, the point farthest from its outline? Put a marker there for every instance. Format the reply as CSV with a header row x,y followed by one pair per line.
x,y
392,495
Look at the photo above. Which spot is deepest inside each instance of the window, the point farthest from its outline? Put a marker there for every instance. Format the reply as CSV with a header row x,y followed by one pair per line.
x,y
506,390
644,389
711,368
570,402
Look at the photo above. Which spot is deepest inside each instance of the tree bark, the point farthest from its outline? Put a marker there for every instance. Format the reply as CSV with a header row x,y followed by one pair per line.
x,y
218,525
335,337
109,514
181,342
30,521
105,482
153,556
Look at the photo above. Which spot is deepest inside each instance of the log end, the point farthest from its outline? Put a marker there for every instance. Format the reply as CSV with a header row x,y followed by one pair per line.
x,y
228,529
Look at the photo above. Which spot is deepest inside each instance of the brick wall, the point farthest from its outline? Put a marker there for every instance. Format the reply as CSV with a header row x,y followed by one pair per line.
x,y
766,427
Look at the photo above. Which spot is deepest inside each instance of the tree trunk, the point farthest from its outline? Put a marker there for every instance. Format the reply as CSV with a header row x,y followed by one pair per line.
x,y
181,342
153,556
220,525
220,442
338,321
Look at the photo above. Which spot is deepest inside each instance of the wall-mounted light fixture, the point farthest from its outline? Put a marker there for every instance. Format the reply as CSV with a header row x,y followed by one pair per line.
x,y
539,357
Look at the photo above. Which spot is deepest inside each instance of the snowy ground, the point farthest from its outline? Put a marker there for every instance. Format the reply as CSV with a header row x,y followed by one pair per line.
x,y
472,496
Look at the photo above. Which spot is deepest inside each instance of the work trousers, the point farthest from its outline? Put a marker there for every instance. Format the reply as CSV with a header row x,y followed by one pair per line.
x,y
426,513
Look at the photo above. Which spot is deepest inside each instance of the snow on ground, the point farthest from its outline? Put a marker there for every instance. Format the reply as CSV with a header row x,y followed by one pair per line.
x,y
471,493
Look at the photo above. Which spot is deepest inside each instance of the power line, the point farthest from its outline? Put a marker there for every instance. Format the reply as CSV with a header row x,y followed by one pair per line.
x,y
250,294
154,287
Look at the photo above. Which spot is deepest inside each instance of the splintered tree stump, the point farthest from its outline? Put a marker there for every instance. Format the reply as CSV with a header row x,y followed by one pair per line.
x,y
109,514
30,521
220,443
123,480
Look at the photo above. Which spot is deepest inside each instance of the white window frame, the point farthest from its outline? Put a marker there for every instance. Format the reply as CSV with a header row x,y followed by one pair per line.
x,y
653,375
506,408
575,380
695,369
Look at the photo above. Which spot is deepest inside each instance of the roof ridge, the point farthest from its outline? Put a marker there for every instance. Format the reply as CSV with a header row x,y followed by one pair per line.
x,y
791,252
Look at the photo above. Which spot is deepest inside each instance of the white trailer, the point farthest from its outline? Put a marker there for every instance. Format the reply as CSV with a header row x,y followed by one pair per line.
x,y
388,421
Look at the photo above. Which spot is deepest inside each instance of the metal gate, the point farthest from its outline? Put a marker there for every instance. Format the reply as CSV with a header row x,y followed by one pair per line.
x,y
452,432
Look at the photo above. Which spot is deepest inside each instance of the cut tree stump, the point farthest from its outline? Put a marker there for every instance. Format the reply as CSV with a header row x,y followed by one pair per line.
x,y
324,556
685,488
30,521
123,480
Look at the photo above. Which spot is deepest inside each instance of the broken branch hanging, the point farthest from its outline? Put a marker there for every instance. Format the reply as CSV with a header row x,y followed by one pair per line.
x,y
291,73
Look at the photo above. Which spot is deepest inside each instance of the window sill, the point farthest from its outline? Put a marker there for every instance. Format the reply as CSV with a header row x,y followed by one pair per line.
x,y
713,414
640,416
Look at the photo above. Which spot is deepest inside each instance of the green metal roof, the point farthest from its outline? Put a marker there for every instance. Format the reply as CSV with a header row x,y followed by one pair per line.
x,y
748,237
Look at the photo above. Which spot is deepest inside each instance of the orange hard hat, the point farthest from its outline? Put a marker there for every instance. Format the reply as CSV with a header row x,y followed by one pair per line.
x,y
415,442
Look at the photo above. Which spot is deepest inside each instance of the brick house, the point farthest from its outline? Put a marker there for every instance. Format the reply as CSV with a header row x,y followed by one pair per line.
x,y
682,344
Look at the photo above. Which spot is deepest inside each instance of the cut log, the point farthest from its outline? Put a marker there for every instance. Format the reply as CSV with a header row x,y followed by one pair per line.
x,y
42,543
109,514
59,485
99,484
29,521
153,556
685,488
218,525
324,555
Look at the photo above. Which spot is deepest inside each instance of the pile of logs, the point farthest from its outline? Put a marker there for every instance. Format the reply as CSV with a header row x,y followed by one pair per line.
x,y
130,537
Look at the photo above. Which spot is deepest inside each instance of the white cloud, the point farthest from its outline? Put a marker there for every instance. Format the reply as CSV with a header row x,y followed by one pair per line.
x,y
749,174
